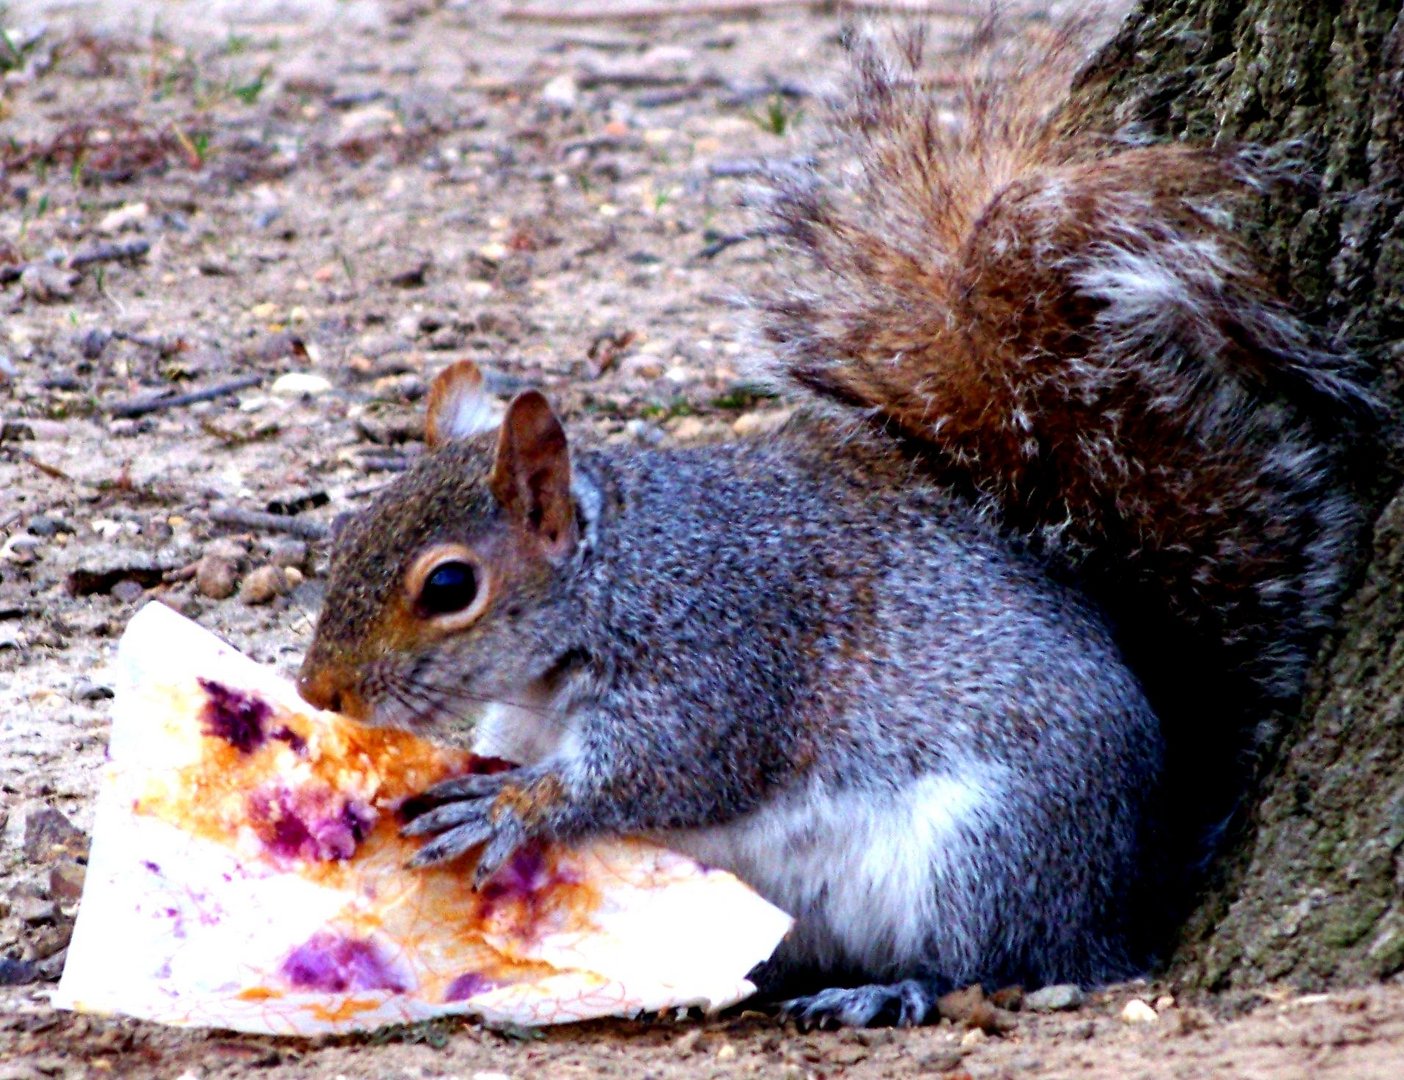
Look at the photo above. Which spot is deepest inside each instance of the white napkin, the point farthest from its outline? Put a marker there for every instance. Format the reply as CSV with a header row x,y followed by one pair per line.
x,y
246,872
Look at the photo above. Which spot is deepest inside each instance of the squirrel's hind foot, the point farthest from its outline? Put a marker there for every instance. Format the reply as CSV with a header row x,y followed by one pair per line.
x,y
902,1004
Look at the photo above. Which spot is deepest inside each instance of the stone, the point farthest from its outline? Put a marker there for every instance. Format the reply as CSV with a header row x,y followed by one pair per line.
x,y
755,424
287,553
216,576
47,284
1137,1011
49,835
127,216
85,689
35,910
300,384
51,967
1059,998
17,972
689,428
44,525
47,941
267,583
66,879
562,92
128,591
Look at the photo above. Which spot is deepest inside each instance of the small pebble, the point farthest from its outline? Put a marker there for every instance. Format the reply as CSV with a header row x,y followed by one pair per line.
x,y
126,216
48,940
753,424
267,583
287,553
48,834
410,275
17,972
87,690
689,1043
1138,1012
21,549
66,880
1054,998
941,1061
51,967
216,576
300,384
128,591
92,343
689,428
35,911
563,92
43,525
226,547
47,284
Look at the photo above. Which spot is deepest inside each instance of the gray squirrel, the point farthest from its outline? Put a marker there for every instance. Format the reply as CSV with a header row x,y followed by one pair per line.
x,y
1062,525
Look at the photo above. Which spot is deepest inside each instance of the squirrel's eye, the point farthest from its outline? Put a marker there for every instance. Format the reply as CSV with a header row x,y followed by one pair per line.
x,y
450,587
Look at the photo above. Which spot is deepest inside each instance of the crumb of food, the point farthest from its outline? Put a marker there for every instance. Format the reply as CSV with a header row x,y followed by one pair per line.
x,y
312,823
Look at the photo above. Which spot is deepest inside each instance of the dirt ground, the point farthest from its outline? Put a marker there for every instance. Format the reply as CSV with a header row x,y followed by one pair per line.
x,y
212,197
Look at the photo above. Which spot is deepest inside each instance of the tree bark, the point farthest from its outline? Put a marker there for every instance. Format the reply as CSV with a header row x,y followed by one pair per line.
x,y
1312,891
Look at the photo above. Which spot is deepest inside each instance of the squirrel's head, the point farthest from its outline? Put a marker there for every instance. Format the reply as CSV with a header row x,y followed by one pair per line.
x,y
451,590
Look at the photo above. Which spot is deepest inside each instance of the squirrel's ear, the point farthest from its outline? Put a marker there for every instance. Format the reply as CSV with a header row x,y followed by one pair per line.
x,y
459,407
531,478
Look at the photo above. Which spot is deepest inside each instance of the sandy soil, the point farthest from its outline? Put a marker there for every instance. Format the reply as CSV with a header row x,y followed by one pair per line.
x,y
195,194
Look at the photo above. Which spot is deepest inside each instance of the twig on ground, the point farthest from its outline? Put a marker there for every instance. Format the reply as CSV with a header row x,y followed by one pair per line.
x,y
142,406
43,467
265,522
721,243
125,249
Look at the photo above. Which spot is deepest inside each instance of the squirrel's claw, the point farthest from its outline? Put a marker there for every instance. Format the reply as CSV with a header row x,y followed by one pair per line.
x,y
466,812
902,1004
499,849
457,790
444,817
452,843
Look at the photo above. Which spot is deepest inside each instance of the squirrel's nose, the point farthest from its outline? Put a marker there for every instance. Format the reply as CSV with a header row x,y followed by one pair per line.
x,y
321,689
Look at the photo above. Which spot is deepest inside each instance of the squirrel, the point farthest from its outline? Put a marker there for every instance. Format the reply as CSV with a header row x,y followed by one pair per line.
x,y
916,667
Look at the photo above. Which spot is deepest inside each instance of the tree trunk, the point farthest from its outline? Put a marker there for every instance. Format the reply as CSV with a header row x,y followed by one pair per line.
x,y
1312,892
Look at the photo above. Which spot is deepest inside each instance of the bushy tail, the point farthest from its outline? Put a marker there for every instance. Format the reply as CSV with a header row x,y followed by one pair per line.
x,y
1071,330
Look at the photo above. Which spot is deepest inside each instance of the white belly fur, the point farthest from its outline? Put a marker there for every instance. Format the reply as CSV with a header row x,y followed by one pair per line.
x,y
861,870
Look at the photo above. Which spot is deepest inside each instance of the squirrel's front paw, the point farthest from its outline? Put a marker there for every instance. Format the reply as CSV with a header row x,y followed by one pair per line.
x,y
501,812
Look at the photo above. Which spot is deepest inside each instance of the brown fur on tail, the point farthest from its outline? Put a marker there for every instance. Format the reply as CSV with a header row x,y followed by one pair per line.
x,y
1071,330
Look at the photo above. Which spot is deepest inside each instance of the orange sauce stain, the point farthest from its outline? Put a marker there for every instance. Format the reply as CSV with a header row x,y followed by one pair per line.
x,y
433,917
343,1010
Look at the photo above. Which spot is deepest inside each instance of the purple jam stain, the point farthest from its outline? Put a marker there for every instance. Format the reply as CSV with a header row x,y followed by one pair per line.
x,y
466,985
334,963
155,868
296,743
519,878
314,824
237,718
